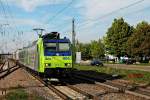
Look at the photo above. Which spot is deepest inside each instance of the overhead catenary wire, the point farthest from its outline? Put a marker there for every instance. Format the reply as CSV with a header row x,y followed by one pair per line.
x,y
19,32
111,13
5,17
59,12
62,26
96,23
4,11
62,10
87,27
11,17
4,44
82,24
14,24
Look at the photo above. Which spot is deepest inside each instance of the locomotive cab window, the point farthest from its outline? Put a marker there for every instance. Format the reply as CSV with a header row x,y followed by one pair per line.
x,y
64,46
50,46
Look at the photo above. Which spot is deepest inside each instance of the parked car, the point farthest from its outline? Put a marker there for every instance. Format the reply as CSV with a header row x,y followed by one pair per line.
x,y
96,63
130,61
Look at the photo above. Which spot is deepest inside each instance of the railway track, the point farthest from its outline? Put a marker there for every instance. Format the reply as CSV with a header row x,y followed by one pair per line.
x,y
2,65
63,90
6,69
66,91
143,92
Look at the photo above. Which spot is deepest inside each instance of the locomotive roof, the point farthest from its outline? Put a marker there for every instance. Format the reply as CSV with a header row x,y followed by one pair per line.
x,y
65,40
52,35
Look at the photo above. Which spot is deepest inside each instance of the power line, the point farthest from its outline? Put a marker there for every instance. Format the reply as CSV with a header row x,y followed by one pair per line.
x,y
4,11
128,14
115,11
60,11
11,16
62,26
108,14
20,33
104,16
4,44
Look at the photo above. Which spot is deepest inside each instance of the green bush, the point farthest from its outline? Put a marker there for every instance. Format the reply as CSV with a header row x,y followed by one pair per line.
x,y
19,94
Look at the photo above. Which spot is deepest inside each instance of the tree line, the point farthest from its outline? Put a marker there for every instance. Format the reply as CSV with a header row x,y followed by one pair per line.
x,y
94,49
121,39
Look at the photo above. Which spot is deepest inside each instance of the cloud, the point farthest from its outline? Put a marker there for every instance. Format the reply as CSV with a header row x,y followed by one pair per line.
x,y
96,8
31,5
82,10
29,22
24,23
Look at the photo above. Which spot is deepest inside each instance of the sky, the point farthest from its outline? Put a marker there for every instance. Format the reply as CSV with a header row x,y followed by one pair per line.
x,y
92,18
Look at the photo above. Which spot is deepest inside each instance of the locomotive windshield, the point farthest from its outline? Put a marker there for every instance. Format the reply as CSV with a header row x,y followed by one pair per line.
x,y
57,47
50,46
64,46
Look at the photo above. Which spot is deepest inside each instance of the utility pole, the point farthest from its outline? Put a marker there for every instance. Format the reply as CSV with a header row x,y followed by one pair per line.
x,y
39,29
73,42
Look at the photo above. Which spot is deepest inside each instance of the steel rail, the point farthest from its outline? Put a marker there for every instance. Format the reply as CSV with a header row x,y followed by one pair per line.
x,y
133,91
1,67
89,96
8,72
50,86
7,69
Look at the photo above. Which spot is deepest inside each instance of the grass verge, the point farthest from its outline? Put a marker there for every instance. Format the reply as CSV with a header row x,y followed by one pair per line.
x,y
21,94
18,94
145,79
143,64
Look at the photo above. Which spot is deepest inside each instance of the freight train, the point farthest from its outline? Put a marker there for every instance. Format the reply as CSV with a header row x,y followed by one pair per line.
x,y
50,55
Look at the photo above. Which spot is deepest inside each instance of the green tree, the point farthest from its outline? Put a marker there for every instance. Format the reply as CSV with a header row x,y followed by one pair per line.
x,y
139,42
117,36
97,49
84,49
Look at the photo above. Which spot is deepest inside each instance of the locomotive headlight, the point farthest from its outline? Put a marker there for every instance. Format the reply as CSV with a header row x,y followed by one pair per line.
x,y
67,64
47,65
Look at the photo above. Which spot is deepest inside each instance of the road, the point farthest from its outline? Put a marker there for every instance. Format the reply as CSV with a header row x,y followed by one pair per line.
x,y
129,67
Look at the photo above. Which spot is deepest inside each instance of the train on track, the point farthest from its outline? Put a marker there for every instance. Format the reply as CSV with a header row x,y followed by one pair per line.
x,y
49,55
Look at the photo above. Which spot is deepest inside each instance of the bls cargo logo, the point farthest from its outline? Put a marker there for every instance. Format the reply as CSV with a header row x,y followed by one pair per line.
x,y
66,58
